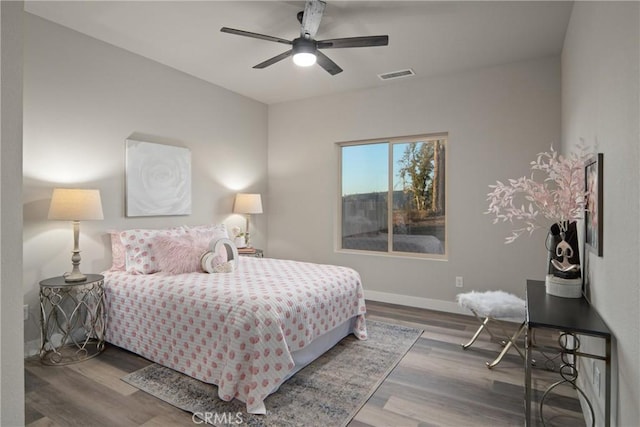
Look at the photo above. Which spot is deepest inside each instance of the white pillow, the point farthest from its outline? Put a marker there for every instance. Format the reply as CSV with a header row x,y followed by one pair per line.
x,y
213,231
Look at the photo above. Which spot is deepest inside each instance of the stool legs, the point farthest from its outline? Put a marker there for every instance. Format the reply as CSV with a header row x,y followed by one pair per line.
x,y
483,325
508,345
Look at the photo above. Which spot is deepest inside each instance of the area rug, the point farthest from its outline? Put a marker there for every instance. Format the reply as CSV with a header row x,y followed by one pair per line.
x,y
328,392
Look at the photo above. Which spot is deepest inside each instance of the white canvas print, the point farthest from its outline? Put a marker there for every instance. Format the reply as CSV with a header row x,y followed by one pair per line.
x,y
158,179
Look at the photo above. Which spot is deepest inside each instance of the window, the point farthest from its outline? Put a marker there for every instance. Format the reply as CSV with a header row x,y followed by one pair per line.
x,y
393,196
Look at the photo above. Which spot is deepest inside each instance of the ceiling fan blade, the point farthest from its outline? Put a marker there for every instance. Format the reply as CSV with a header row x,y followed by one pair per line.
x,y
254,35
330,66
273,60
364,41
313,10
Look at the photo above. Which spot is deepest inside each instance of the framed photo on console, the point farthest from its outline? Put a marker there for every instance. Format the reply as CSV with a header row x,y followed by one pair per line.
x,y
593,177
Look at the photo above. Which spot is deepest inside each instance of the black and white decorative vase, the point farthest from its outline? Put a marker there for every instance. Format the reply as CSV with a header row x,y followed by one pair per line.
x,y
564,278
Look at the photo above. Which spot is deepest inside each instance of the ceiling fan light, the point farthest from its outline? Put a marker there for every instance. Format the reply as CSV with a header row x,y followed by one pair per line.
x,y
304,59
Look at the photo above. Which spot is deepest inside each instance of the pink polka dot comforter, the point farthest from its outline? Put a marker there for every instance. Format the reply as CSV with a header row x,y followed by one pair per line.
x,y
236,330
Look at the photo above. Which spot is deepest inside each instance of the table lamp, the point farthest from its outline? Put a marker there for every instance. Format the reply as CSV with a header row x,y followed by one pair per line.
x,y
75,205
247,204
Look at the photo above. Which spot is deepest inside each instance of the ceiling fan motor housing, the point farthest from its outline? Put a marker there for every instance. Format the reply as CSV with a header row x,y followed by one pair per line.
x,y
302,45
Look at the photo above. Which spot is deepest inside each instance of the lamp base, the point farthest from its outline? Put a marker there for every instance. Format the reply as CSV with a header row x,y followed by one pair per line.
x,y
75,277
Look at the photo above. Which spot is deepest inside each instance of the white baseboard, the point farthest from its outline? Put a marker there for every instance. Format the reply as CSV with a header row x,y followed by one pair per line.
x,y
419,302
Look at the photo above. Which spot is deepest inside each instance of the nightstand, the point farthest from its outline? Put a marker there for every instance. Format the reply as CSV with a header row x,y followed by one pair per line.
x,y
256,253
72,319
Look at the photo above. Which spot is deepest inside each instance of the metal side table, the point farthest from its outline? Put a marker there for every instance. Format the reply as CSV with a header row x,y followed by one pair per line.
x,y
72,319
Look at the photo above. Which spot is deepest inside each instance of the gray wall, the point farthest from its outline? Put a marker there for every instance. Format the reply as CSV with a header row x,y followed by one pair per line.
x,y
11,328
600,103
82,99
497,118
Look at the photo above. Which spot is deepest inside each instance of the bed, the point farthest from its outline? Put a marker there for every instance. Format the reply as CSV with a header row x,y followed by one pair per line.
x,y
246,331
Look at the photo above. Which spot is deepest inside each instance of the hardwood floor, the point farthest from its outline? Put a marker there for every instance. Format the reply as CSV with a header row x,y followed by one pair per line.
x,y
437,383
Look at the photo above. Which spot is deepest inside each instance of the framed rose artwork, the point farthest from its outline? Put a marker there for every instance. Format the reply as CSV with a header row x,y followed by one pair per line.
x,y
158,179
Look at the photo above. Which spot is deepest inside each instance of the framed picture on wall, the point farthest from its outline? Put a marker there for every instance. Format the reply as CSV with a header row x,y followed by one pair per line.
x,y
593,176
158,179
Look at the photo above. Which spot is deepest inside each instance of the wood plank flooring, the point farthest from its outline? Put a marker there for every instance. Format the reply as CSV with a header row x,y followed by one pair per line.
x,y
436,384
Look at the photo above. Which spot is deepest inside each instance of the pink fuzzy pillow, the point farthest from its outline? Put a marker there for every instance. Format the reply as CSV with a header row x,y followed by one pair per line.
x,y
180,254
139,246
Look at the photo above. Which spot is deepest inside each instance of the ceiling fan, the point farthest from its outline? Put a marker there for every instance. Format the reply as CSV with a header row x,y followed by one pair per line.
x,y
305,49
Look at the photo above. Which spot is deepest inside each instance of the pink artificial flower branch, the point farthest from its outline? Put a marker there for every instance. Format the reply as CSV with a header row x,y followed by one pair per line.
x,y
560,197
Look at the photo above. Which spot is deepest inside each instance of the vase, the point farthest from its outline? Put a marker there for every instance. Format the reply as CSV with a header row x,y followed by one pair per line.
x,y
565,288
564,277
240,242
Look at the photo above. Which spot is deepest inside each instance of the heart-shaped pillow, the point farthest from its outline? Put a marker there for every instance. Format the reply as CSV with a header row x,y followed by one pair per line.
x,y
221,257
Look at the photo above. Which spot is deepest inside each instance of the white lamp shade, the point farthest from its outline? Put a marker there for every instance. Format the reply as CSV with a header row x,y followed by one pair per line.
x,y
75,204
248,204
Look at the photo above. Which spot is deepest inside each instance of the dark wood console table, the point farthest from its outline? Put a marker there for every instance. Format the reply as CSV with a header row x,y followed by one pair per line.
x,y
570,316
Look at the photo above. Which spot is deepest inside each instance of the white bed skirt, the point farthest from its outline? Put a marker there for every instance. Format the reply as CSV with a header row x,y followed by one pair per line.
x,y
320,345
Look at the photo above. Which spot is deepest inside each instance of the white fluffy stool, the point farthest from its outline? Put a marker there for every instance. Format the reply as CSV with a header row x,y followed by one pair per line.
x,y
494,305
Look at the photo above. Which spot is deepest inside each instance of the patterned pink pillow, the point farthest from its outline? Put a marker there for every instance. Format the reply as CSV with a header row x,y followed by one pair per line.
x,y
139,245
180,254
117,252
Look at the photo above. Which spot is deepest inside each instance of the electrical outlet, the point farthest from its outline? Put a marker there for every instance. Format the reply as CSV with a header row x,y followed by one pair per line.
x,y
596,379
25,311
459,282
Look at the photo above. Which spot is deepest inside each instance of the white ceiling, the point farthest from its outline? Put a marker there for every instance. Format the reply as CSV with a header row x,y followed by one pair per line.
x,y
430,37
